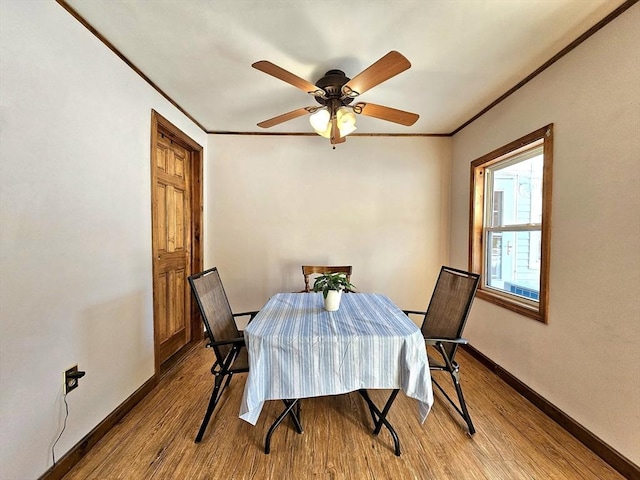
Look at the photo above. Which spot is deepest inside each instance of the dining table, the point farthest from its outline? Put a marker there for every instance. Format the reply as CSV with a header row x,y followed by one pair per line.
x,y
298,350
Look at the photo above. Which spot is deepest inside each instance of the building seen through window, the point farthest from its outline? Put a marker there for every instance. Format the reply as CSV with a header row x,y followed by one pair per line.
x,y
513,224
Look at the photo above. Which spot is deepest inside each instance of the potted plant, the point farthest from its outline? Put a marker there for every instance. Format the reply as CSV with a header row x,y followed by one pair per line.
x,y
331,285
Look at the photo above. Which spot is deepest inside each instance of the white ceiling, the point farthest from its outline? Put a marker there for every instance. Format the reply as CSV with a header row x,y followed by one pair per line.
x,y
464,53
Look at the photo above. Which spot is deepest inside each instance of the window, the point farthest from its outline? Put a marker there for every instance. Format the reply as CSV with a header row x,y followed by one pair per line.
x,y
510,223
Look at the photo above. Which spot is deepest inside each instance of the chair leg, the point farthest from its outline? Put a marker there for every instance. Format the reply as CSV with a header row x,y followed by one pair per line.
x,y
454,370
213,401
455,375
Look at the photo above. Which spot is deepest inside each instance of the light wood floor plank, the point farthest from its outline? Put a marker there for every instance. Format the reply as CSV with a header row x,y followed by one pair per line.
x,y
514,440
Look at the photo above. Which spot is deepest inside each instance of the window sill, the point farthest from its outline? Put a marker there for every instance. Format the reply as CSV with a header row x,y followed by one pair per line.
x,y
521,308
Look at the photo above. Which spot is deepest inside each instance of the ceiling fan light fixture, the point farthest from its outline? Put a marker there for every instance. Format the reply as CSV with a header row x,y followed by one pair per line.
x,y
346,121
326,133
320,121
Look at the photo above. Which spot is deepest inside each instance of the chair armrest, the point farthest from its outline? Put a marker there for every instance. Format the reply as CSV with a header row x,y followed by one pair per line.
x,y
417,312
244,314
238,340
434,341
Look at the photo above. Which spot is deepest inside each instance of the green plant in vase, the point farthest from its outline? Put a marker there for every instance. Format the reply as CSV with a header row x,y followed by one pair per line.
x,y
332,285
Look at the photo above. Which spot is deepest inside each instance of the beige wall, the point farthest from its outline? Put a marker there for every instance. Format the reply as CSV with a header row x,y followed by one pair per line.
x,y
586,361
379,204
75,214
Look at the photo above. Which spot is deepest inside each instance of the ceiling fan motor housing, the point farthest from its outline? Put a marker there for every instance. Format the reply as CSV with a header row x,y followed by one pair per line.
x,y
332,83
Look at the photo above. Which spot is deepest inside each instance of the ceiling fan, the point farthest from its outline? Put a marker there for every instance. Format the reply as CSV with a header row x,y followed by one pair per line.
x,y
335,118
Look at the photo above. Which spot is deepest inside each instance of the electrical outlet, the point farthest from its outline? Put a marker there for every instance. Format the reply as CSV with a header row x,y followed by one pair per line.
x,y
71,378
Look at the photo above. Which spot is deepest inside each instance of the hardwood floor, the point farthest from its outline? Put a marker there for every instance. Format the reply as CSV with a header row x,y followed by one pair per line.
x,y
514,440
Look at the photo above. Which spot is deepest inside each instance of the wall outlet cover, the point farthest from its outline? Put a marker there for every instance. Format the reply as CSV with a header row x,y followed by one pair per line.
x,y
70,382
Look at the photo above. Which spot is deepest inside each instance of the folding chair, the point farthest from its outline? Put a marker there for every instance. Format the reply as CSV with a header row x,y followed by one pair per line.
x,y
224,338
442,328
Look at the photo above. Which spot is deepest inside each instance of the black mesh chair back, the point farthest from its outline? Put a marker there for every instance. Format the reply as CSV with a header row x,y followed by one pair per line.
x,y
443,325
215,310
224,338
449,306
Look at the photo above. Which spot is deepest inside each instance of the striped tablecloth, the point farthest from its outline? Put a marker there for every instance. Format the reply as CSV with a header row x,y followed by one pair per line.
x,y
298,350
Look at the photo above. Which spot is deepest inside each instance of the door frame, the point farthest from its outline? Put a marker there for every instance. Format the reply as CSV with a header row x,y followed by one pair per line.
x,y
160,124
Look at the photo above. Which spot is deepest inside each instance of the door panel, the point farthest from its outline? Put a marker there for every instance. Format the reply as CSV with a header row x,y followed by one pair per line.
x,y
171,247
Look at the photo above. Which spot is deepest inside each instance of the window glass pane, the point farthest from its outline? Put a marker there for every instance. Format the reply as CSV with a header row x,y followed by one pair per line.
x,y
513,263
515,188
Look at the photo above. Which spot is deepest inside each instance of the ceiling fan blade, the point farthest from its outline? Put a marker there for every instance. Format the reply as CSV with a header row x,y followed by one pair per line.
x,y
388,66
386,113
282,74
285,117
335,132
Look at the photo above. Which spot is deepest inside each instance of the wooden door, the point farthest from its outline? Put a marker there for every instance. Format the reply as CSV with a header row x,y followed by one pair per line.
x,y
171,246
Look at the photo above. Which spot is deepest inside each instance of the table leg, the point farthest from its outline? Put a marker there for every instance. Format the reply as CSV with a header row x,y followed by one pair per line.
x,y
290,404
380,417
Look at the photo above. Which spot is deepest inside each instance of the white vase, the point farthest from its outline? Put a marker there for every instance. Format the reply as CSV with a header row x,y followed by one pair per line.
x,y
332,301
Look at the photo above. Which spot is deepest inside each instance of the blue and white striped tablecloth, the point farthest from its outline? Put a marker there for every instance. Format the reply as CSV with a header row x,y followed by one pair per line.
x,y
298,350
